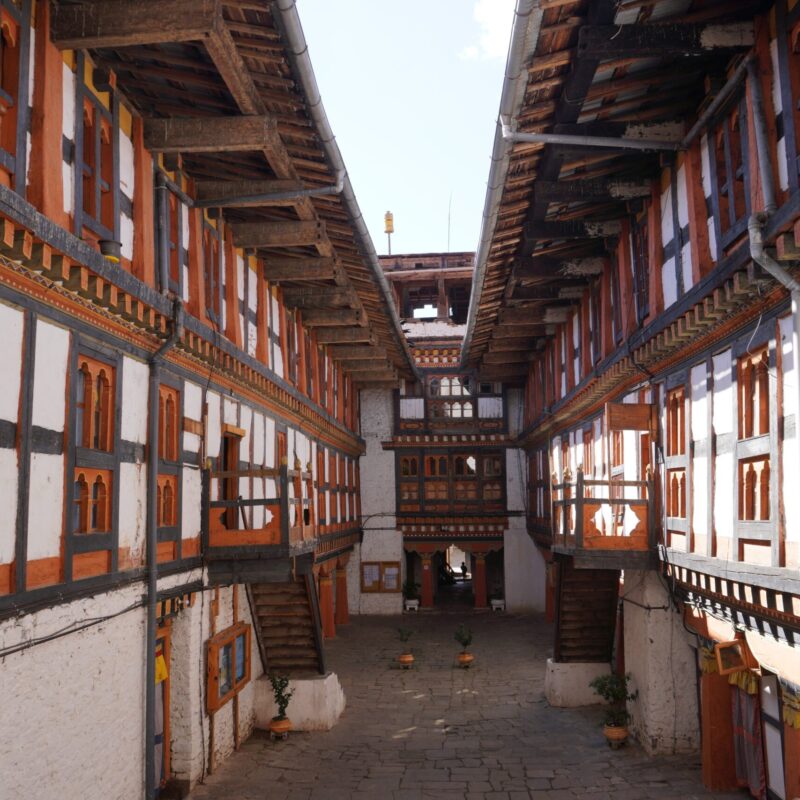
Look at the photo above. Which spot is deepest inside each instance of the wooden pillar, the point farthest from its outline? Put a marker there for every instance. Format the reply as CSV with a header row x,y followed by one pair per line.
x,y
426,601
479,580
442,306
342,616
326,605
791,759
46,190
550,590
716,720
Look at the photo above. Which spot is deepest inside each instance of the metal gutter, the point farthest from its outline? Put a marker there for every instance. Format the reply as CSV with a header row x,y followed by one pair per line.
x,y
288,21
524,38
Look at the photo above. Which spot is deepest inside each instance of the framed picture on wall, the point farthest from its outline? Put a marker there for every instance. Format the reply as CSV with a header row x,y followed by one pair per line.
x,y
380,576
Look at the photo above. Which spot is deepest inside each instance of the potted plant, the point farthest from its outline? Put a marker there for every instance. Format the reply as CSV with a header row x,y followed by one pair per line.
x,y
463,636
280,725
411,595
406,658
613,688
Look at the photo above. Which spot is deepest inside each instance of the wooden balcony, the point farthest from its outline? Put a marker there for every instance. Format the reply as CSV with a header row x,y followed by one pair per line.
x,y
256,521
605,524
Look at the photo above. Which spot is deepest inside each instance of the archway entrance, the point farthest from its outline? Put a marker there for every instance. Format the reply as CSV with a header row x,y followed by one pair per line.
x,y
455,573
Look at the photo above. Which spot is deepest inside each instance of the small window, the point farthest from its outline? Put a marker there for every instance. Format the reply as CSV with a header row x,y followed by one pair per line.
x,y
228,660
168,423
492,466
91,501
94,417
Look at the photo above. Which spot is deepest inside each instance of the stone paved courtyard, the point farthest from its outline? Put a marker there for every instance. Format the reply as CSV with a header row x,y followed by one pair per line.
x,y
442,732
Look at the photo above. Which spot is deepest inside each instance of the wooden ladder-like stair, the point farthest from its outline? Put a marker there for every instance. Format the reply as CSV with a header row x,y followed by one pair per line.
x,y
586,613
286,620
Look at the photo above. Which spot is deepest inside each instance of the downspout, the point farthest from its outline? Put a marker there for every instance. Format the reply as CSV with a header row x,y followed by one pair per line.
x,y
163,234
288,21
154,364
524,38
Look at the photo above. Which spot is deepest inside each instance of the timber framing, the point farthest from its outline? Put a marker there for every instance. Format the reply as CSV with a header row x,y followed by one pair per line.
x,y
564,207
210,134
233,116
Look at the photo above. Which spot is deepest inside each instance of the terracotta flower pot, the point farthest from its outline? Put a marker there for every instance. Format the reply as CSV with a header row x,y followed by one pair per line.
x,y
406,660
616,735
280,727
465,659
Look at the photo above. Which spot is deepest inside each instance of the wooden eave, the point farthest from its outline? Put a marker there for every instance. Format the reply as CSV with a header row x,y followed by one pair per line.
x,y
566,89
183,80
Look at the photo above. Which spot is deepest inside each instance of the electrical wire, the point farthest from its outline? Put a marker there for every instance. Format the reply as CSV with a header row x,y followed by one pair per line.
x,y
73,627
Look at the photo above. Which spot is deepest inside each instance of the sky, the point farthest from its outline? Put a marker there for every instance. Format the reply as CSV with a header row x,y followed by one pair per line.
x,y
412,91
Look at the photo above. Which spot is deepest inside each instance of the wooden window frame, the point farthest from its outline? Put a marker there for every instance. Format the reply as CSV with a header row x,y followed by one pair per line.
x,y
169,424
96,159
641,264
382,566
88,505
226,638
15,43
213,272
91,367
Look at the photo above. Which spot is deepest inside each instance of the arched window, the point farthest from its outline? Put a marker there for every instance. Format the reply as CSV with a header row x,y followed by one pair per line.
x,y
460,465
101,422
169,505
82,406
99,505
169,429
80,521
433,387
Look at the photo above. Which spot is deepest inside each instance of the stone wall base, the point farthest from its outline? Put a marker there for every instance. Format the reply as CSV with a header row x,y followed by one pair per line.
x,y
316,705
566,685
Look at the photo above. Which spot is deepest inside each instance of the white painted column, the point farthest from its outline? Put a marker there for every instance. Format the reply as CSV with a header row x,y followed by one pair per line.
x,y
663,668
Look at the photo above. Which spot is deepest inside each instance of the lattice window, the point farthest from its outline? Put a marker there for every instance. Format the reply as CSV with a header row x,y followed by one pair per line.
x,y
94,418
212,273
753,381
91,501
228,660
168,423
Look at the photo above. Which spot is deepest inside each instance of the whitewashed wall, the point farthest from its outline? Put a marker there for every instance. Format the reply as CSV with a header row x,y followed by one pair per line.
x,y
382,541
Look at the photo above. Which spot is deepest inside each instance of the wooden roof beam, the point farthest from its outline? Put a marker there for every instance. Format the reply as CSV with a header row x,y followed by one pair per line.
x,y
507,357
578,191
336,335
355,352
318,297
210,134
553,268
360,365
571,229
246,193
288,270
278,233
325,317
664,39
120,23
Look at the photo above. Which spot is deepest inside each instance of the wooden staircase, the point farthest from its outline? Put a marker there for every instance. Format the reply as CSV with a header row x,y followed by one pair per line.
x,y
287,624
586,613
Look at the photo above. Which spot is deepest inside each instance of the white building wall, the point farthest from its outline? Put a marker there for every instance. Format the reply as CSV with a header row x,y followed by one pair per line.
x,y
382,541
77,702
662,667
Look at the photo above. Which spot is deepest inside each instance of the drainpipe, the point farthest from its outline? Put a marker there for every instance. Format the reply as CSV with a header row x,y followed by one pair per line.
x,y
255,199
162,188
154,363
618,142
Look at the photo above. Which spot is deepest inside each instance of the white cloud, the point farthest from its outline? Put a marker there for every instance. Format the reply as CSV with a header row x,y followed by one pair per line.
x,y
494,17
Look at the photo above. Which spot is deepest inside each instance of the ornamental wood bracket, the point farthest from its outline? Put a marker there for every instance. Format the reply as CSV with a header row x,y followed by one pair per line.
x,y
210,134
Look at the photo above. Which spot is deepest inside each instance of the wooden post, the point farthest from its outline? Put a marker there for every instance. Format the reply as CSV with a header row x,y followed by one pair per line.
x,y
716,721
479,580
426,601
579,508
326,606
342,616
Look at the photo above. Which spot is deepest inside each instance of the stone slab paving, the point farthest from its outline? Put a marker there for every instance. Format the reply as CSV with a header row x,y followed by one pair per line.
x,y
441,732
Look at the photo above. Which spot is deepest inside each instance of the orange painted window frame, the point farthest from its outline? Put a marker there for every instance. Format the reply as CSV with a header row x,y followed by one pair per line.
x,y
228,637
88,506
169,417
93,436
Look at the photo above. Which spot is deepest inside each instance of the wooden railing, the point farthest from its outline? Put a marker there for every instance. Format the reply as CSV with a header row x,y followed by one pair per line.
x,y
611,514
